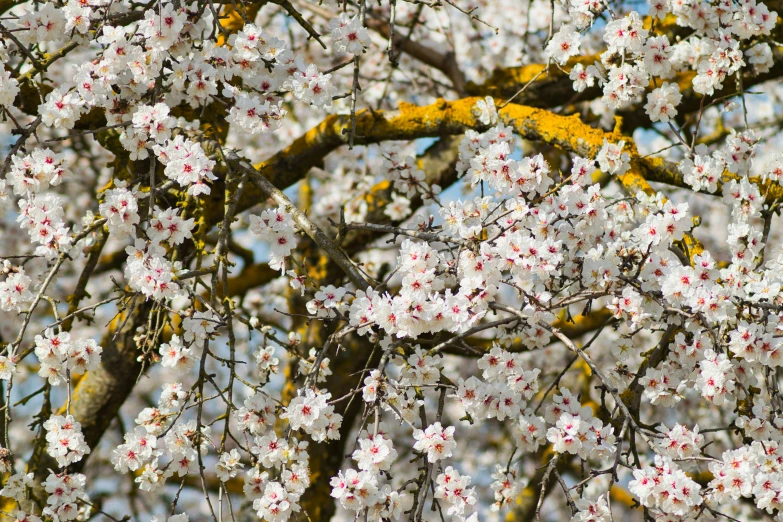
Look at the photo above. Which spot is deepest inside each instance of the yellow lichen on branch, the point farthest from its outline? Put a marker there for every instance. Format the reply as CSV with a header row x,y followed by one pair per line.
x,y
545,85
232,21
442,118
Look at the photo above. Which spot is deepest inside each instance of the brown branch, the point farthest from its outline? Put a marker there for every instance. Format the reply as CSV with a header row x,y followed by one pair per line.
x,y
444,62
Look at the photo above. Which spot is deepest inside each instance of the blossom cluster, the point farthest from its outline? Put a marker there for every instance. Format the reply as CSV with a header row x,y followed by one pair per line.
x,y
664,487
65,441
60,356
538,312
276,227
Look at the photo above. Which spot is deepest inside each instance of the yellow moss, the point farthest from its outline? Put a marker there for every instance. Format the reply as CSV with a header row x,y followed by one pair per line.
x,y
667,25
232,21
7,504
618,124
582,324
377,192
621,495
318,271
520,75
684,80
250,277
511,79
305,196
378,197
627,396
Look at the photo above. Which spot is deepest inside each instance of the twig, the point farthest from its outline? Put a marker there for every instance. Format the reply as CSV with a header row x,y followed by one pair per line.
x,y
304,223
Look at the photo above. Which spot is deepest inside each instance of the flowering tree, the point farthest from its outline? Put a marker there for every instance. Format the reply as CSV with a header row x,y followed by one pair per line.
x,y
394,260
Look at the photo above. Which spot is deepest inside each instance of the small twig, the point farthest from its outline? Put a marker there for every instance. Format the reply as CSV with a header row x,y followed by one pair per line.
x,y
304,223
